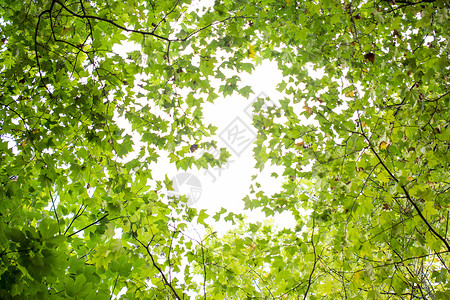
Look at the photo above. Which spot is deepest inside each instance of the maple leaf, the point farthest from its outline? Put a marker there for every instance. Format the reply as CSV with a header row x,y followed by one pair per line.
x,y
308,109
251,51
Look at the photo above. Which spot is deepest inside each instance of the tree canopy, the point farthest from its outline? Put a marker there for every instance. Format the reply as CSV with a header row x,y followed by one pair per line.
x,y
364,149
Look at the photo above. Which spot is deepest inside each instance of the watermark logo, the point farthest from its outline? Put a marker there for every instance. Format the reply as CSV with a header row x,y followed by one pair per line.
x,y
188,185
238,136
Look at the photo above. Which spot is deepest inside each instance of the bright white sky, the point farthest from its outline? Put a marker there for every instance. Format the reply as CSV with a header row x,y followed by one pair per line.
x,y
226,187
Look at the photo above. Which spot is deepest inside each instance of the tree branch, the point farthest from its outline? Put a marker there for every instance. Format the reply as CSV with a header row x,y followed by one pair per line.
x,y
436,234
159,269
112,23
85,227
54,210
315,260
77,215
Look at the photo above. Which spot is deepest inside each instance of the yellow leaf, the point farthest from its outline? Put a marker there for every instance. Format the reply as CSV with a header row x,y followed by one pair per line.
x,y
24,142
357,276
349,94
410,178
251,51
383,145
288,2
308,109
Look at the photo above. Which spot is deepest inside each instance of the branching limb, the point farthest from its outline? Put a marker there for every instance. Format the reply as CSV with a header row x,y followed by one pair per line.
x,y
54,210
262,280
110,22
77,215
204,271
163,19
419,212
114,287
315,260
87,226
147,248
36,49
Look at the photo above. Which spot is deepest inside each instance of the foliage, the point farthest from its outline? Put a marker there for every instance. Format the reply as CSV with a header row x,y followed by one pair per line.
x,y
371,171
366,180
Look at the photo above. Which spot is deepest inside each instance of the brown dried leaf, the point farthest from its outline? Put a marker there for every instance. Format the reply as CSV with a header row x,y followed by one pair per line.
x,y
395,33
193,148
370,57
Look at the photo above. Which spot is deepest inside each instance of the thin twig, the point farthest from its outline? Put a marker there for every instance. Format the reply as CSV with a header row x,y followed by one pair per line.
x,y
158,268
54,210
114,287
77,215
87,226
315,260
419,212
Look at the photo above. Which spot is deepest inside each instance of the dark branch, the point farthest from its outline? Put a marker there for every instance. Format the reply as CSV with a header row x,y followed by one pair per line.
x,y
111,22
93,223
315,261
159,269
419,212
54,210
